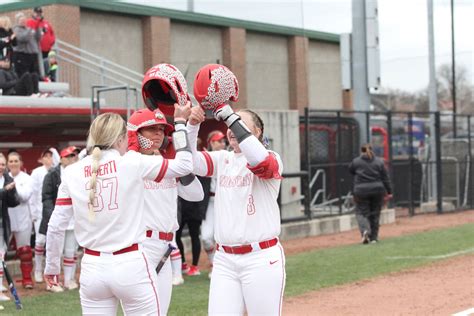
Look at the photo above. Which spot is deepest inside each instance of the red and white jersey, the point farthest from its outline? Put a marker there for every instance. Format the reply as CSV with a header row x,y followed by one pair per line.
x,y
161,202
36,204
246,208
119,202
20,216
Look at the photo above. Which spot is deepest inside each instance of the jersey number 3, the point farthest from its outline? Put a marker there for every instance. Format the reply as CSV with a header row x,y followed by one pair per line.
x,y
105,189
250,206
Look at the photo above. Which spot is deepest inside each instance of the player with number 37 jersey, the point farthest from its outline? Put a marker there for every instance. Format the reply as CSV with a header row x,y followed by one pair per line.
x,y
104,193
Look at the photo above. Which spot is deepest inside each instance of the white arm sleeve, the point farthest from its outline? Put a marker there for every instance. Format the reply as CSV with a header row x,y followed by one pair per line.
x,y
62,214
192,192
253,150
204,162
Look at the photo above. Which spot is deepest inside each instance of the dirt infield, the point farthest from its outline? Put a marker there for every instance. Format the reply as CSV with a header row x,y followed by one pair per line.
x,y
442,288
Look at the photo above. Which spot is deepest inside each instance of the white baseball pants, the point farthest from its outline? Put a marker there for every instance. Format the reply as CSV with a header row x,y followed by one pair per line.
x,y
252,282
127,277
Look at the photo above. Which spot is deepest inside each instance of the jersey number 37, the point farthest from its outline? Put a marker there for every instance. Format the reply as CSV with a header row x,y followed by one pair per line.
x,y
105,194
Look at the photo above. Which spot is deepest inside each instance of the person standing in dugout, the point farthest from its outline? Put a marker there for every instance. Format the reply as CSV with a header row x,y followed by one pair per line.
x,y
20,217
249,263
104,193
149,134
371,189
8,198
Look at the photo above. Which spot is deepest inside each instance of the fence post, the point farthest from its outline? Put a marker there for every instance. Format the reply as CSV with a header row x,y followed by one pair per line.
x,y
367,126
308,160
411,208
439,167
338,157
390,155
471,164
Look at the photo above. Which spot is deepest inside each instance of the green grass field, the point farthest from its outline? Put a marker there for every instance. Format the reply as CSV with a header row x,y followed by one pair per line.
x,y
305,272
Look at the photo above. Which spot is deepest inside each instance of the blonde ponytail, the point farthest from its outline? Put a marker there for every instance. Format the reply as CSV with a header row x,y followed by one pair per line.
x,y
96,155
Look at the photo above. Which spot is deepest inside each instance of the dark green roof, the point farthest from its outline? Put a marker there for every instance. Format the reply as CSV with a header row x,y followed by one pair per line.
x,y
199,18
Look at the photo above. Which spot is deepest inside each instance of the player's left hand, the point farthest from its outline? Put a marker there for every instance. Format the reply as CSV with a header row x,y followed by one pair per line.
x,y
223,112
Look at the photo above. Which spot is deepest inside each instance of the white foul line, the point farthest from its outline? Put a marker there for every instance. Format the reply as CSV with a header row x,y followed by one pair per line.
x,y
452,254
467,312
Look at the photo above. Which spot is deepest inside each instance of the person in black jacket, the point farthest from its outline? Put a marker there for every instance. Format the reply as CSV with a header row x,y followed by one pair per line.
x,y
8,198
192,214
371,187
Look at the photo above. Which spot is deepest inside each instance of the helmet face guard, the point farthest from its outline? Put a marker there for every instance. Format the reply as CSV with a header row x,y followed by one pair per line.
x,y
215,85
163,86
143,118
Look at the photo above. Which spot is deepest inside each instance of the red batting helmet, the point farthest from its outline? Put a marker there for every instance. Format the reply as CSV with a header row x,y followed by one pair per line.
x,y
163,86
143,118
215,85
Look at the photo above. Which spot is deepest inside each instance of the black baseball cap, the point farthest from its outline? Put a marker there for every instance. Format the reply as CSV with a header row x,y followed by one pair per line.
x,y
38,10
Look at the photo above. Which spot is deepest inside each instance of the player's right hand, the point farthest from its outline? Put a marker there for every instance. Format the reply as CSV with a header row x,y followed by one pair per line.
x,y
10,186
181,113
51,279
197,115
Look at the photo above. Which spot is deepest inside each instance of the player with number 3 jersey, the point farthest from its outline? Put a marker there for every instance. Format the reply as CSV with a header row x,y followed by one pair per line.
x,y
249,264
104,192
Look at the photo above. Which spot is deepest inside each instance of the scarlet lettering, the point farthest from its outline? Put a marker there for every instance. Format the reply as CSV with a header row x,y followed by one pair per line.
x,y
235,181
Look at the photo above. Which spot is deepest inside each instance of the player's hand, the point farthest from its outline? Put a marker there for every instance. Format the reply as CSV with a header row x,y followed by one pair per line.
x,y
10,186
51,279
197,115
222,112
181,113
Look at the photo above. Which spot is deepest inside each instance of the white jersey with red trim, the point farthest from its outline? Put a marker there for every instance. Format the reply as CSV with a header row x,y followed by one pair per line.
x,y
36,204
246,208
161,199
119,204
20,216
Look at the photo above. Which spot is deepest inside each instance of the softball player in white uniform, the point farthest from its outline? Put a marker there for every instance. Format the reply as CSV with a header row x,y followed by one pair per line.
x,y
249,259
20,217
151,128
37,176
105,195
249,264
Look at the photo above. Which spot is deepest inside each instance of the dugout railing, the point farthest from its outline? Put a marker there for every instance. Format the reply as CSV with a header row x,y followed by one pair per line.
x,y
429,156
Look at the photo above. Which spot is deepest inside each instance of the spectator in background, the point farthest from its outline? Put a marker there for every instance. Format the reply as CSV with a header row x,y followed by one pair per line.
x,y
20,216
52,180
25,53
36,204
25,85
52,66
371,186
215,141
38,23
7,41
8,198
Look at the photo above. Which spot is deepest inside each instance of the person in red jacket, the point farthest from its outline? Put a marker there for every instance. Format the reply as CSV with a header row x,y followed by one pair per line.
x,y
37,22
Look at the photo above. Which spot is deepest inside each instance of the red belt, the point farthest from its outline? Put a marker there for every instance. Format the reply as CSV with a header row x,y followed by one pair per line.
x,y
243,249
161,235
133,247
